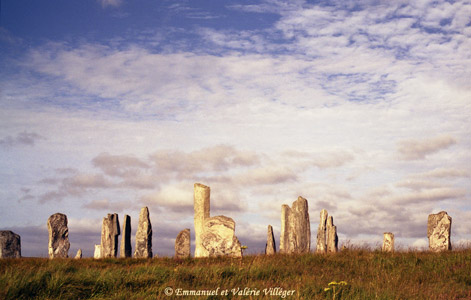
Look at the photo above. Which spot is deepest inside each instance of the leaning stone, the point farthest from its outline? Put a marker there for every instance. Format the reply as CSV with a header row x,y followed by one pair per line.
x,y
295,228
97,253
331,234
10,244
388,242
125,250
321,246
182,244
219,239
270,247
58,236
109,236
79,254
439,231
201,199
143,247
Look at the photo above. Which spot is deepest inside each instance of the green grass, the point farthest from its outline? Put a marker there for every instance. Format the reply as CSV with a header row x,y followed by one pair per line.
x,y
369,275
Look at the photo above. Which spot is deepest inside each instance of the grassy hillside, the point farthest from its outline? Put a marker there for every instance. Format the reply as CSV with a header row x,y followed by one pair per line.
x,y
359,274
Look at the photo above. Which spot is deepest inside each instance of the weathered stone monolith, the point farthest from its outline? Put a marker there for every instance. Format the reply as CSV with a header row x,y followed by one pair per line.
x,y
125,249
295,227
321,246
143,247
97,253
218,238
109,236
201,199
10,244
270,247
79,254
331,235
182,244
58,236
439,231
388,242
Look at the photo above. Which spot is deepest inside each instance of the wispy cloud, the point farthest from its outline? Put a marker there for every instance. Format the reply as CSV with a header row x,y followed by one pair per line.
x,y
419,149
24,138
110,3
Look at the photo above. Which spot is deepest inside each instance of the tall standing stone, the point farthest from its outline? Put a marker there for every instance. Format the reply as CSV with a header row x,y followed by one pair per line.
x,y
144,235
201,199
125,250
10,244
439,231
58,236
331,235
219,238
183,244
321,246
270,247
109,236
97,254
79,254
388,242
295,227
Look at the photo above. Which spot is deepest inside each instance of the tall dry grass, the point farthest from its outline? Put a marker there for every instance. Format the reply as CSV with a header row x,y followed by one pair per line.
x,y
368,275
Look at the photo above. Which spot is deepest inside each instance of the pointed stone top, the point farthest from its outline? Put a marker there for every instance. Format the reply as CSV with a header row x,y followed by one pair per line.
x,y
300,202
200,185
324,212
330,221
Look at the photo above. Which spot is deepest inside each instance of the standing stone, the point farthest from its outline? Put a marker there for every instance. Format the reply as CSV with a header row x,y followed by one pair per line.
x,y
10,244
79,254
125,250
58,236
331,234
270,247
439,231
388,242
97,253
143,247
321,246
109,236
295,227
182,244
201,199
218,237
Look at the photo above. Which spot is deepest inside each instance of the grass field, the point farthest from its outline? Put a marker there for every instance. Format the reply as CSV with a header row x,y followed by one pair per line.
x,y
364,275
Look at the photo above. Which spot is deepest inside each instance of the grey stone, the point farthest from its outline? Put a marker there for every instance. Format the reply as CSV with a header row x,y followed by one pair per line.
x,y
79,254
331,235
183,244
109,236
97,254
388,242
295,227
201,199
321,246
270,247
439,232
143,247
58,236
125,250
10,244
219,239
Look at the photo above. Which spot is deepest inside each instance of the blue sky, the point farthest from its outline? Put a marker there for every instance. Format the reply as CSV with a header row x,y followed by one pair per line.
x,y
361,107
